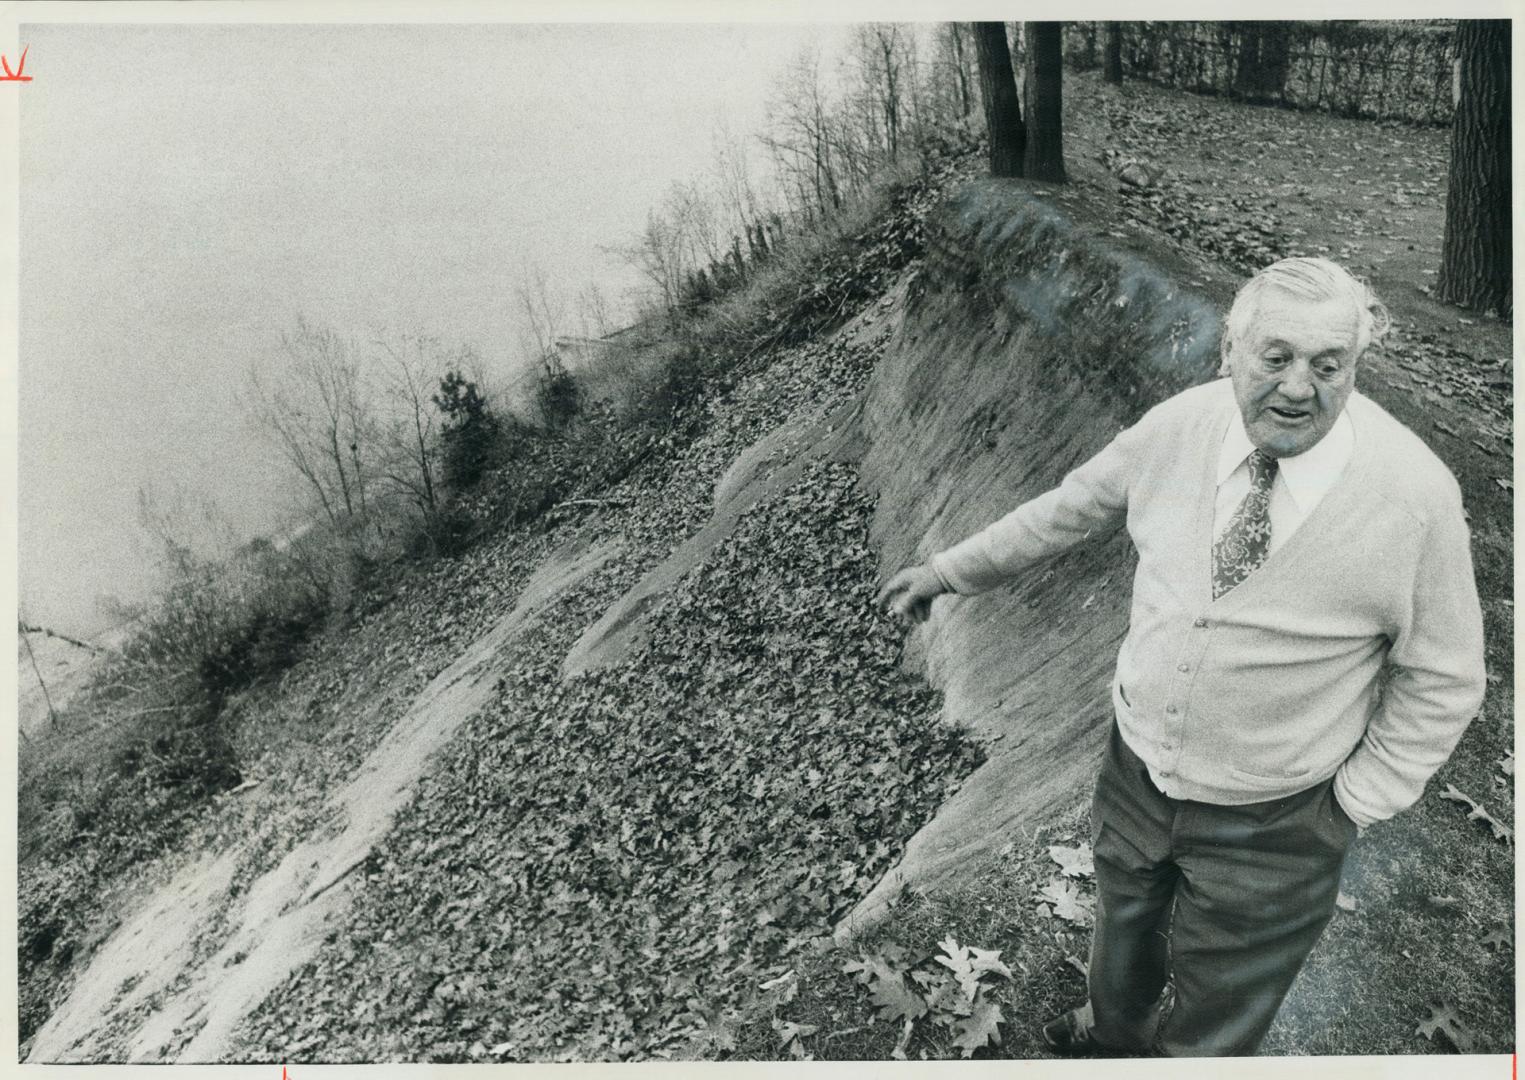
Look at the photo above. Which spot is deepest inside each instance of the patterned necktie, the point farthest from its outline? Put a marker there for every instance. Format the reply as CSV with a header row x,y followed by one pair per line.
x,y
1246,541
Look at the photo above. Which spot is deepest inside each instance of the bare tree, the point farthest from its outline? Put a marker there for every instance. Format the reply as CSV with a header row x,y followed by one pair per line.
x,y
693,214
954,34
415,365
1475,266
543,310
802,140
879,55
316,410
738,199
658,254
998,90
593,311
682,245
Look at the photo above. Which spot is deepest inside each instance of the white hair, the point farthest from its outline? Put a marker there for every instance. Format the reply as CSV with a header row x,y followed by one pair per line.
x,y
1312,279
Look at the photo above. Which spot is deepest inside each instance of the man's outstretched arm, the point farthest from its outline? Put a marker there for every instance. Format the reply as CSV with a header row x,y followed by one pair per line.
x,y
1092,499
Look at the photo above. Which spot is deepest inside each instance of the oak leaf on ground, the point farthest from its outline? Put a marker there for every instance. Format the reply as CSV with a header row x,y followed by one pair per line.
x,y
1073,861
979,1028
1444,1021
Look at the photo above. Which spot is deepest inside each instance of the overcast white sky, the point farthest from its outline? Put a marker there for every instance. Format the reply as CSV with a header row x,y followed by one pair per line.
x,y
187,190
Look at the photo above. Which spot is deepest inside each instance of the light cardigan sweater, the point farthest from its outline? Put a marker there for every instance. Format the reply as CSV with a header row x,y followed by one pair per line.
x,y
1276,685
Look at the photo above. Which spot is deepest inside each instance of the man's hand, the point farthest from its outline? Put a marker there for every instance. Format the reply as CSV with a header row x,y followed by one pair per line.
x,y
909,593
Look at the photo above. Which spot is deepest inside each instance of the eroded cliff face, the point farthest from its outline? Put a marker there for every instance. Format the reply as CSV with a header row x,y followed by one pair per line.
x,y
1016,351
1023,347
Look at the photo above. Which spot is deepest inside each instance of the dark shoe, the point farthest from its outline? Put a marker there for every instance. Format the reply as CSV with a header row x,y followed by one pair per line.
x,y
1070,1036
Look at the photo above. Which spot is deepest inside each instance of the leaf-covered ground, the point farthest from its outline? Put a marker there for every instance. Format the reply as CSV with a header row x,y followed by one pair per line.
x,y
1244,186
603,867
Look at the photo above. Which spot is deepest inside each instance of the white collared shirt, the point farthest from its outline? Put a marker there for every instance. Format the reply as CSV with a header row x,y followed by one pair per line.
x,y
1301,481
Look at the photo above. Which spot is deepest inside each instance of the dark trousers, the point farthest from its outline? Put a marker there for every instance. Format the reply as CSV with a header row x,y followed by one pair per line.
x,y
1228,899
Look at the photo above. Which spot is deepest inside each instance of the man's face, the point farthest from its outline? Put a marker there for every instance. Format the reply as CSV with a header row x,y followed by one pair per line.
x,y
1293,370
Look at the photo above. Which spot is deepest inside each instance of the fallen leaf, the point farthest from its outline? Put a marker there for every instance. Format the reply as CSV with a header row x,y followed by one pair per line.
x,y
789,1032
890,995
978,1029
721,1034
988,961
1068,901
968,965
947,998
1476,812
1444,1021
1073,861
1345,902
771,983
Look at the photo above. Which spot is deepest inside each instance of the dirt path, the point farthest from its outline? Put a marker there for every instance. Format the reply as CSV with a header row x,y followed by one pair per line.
x,y
173,981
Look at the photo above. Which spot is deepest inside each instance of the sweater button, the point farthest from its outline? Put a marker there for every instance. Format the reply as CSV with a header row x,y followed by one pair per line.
x,y
1200,623
1171,709
1183,668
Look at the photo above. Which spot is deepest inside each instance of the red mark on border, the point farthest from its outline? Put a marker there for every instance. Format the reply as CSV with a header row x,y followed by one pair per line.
x,y
15,76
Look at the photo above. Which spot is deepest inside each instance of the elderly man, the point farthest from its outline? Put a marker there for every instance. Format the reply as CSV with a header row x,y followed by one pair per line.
x,y
1304,650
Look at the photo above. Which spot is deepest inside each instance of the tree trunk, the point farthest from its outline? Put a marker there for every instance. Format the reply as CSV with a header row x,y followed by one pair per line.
x,y
1246,74
891,94
998,89
957,34
1275,61
1113,58
1260,73
424,455
1475,257
52,714
337,455
1044,158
